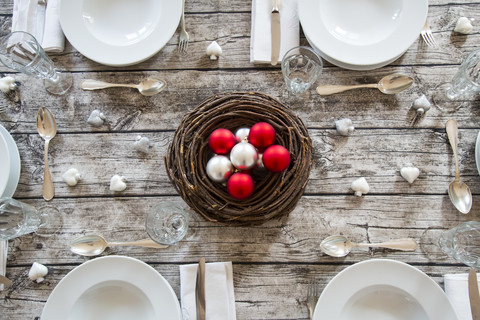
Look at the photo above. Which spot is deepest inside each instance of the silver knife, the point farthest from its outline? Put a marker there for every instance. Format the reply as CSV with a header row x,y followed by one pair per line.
x,y
200,290
275,29
5,281
474,294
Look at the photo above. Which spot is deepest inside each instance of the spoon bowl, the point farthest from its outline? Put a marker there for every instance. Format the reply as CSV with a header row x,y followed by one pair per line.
x,y
148,87
47,129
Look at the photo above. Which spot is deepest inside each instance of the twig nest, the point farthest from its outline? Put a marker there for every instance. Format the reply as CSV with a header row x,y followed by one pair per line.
x,y
410,173
96,118
37,272
344,126
464,25
360,186
214,50
421,105
142,144
118,183
7,84
71,177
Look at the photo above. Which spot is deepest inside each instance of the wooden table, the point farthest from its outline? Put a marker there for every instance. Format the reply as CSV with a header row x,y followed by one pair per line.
x,y
276,261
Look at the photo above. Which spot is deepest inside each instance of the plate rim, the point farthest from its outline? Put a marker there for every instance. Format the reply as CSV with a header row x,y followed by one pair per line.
x,y
5,152
15,160
477,152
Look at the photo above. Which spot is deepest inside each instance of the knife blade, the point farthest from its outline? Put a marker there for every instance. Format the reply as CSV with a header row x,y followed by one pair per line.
x,y
200,290
474,294
275,30
5,281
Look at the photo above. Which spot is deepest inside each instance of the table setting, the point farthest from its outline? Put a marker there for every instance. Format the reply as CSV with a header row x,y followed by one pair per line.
x,y
282,159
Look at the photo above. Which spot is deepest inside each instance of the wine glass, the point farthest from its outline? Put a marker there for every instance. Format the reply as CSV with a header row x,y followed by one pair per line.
x,y
18,218
21,52
167,223
301,67
451,96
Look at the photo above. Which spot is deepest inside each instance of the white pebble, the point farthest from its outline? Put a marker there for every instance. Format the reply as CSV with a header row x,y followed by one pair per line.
x,y
7,84
142,144
96,118
71,177
37,272
410,173
214,50
360,186
117,183
344,126
464,25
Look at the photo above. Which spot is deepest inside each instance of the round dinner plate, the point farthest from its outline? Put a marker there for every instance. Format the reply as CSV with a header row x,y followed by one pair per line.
x,y
119,32
4,164
383,289
477,153
15,164
112,287
362,34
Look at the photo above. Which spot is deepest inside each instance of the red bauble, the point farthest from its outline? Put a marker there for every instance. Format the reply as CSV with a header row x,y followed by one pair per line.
x,y
240,186
276,158
221,141
261,135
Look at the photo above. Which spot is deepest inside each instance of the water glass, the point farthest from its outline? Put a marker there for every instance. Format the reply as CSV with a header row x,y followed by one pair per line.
x,y
301,67
18,218
167,223
451,96
21,52
463,243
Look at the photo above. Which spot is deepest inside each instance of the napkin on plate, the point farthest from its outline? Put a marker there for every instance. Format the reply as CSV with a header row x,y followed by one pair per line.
x,y
219,295
260,37
456,288
3,258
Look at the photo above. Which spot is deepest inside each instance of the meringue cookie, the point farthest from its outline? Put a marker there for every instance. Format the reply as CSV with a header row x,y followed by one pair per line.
x,y
37,272
410,173
71,177
344,126
142,144
360,186
7,84
117,183
421,104
464,25
214,50
96,118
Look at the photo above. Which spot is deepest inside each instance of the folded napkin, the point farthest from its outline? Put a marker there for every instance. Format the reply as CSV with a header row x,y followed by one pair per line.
x,y
219,296
456,288
40,20
3,259
260,37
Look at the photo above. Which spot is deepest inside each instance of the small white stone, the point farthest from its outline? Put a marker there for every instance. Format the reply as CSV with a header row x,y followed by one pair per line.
x,y
117,183
360,186
142,144
7,84
96,118
214,50
37,272
71,177
344,126
464,25
410,173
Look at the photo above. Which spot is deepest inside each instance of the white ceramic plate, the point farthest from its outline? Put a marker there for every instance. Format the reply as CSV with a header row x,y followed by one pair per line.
x,y
4,164
383,289
15,164
112,288
362,34
477,153
119,32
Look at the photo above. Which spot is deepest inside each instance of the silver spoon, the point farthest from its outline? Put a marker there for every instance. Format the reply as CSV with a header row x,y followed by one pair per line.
x,y
47,129
340,246
148,87
459,192
93,245
390,84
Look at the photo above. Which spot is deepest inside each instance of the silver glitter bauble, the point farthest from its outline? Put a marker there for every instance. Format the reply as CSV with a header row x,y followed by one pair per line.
x,y
219,168
242,134
243,156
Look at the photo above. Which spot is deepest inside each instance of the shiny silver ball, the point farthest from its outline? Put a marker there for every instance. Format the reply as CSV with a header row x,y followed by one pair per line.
x,y
219,168
244,156
242,134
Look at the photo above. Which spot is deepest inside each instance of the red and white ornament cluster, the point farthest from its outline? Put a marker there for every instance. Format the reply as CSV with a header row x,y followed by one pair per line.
x,y
237,154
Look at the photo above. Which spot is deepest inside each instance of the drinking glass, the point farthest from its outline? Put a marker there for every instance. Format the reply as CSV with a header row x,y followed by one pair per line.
x,y
21,52
18,218
463,243
451,96
167,223
301,67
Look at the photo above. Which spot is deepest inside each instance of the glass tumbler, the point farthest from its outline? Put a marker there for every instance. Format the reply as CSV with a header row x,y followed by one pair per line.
x,y
463,243
451,96
301,67
167,223
18,218
21,52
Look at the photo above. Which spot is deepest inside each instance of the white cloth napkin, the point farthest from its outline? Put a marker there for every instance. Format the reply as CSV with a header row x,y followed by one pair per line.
x,y
40,20
3,258
219,295
260,37
456,288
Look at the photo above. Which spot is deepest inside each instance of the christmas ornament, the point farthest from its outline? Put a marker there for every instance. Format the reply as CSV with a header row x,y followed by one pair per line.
x,y
276,158
242,134
260,161
221,141
261,135
219,168
240,186
243,156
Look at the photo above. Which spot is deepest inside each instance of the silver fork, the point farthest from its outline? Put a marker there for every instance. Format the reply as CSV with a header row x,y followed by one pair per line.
x,y
428,36
184,37
312,298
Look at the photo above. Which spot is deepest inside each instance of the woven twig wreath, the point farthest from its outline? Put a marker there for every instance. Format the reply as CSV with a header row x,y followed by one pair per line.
x,y
275,194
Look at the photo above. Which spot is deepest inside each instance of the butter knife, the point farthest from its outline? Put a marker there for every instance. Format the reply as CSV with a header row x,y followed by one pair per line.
x,y
200,290
5,281
275,30
474,294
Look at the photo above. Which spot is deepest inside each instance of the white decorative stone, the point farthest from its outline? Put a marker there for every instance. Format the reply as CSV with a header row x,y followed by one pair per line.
x,y
410,173
7,84
96,118
464,25
37,272
360,186
117,183
71,177
344,126
214,50
142,144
